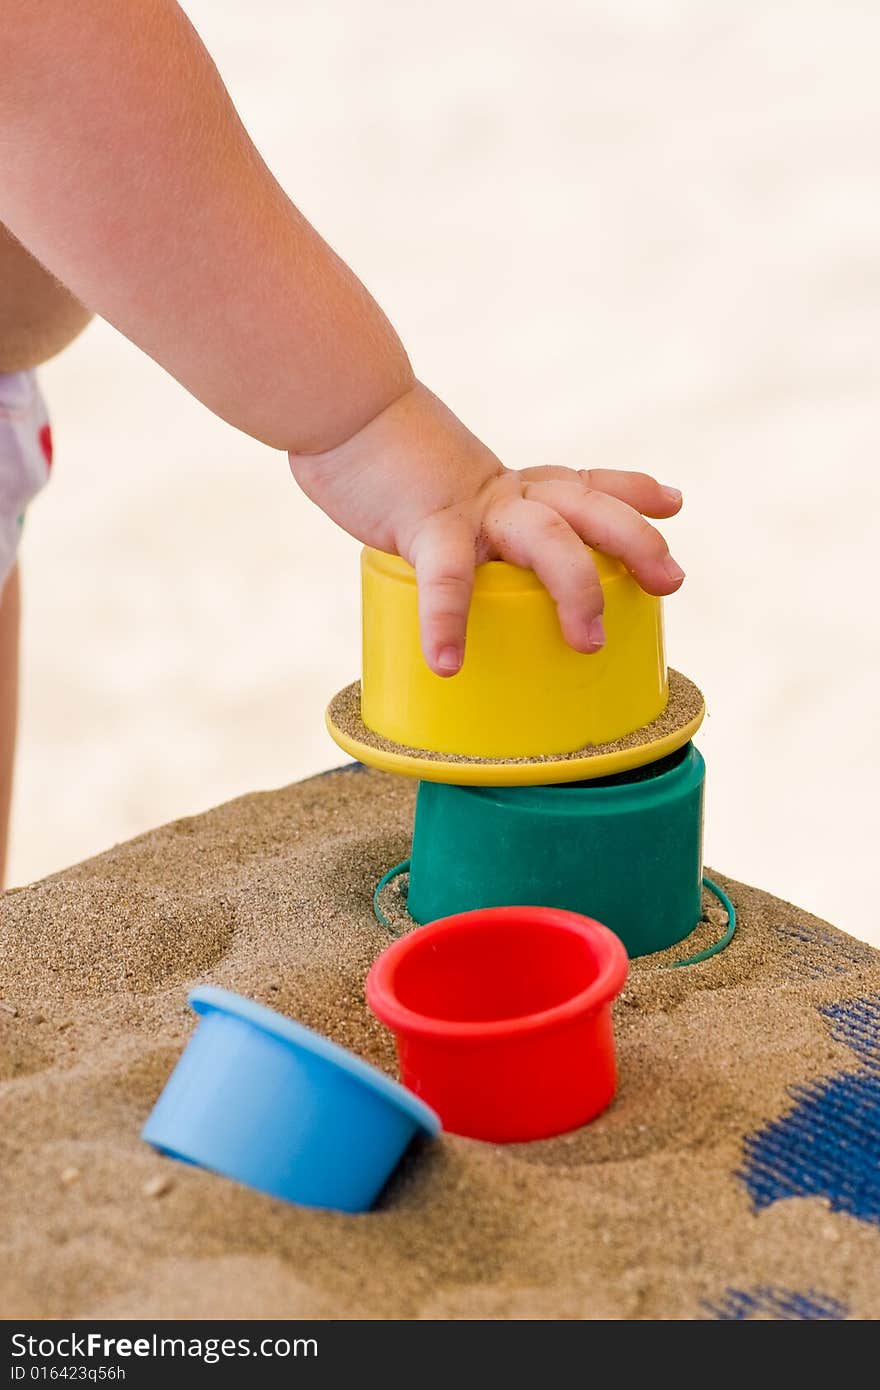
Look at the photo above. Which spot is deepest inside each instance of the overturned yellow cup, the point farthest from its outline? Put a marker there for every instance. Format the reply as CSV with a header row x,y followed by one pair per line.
x,y
522,692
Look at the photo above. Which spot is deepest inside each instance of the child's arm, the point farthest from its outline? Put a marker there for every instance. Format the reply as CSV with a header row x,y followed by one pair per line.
x,y
128,173
126,170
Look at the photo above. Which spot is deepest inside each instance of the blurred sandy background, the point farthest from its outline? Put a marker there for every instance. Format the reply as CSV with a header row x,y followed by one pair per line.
x,y
635,235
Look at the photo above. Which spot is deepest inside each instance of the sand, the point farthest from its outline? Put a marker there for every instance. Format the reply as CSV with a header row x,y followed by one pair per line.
x,y
643,1214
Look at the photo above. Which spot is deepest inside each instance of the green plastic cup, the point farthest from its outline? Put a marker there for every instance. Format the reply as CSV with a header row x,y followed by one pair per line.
x,y
625,850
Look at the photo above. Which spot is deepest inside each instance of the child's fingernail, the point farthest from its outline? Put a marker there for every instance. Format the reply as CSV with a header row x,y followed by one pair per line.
x,y
449,660
596,633
674,571
672,493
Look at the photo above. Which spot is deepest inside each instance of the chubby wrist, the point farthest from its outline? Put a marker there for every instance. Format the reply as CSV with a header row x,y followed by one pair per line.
x,y
414,426
342,421
390,412
412,459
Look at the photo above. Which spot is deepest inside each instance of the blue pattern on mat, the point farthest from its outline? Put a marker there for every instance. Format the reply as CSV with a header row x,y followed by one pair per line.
x,y
776,1303
819,951
828,1145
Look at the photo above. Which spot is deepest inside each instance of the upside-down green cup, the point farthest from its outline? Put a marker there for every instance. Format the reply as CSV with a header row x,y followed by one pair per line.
x,y
624,850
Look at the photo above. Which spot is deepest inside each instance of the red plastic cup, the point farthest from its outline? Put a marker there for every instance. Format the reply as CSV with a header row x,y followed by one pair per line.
x,y
503,1018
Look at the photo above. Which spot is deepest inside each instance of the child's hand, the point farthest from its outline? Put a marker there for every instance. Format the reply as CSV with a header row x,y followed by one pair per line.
x,y
417,483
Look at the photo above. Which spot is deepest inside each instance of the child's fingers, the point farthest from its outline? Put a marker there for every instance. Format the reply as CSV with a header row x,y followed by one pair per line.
x,y
639,490
612,526
444,555
538,538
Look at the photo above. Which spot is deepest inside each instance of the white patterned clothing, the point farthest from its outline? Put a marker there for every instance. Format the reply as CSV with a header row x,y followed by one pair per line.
x,y
25,457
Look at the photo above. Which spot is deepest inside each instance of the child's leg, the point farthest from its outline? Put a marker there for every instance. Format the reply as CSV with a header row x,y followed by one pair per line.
x,y
38,317
9,611
25,459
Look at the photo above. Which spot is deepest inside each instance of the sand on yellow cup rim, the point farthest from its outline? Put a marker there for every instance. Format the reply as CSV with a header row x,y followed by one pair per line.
x,y
522,690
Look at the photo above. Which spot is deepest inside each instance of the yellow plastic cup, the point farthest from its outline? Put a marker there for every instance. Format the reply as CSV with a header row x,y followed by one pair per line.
x,y
522,691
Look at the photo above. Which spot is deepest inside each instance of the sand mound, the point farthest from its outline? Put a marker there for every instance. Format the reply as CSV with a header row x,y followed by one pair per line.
x,y
731,1178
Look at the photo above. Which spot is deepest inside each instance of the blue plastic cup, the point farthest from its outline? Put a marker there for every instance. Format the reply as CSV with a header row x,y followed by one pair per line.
x,y
262,1099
